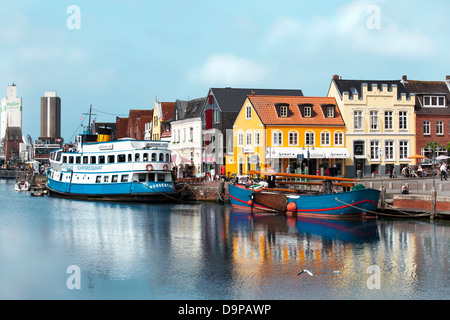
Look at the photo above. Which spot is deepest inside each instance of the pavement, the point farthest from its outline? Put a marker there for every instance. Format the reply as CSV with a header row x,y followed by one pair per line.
x,y
415,185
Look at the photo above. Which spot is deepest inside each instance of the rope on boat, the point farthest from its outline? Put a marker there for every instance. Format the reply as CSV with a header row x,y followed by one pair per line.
x,y
386,214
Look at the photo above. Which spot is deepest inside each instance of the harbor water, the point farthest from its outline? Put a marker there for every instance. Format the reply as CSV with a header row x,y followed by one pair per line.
x,y
63,249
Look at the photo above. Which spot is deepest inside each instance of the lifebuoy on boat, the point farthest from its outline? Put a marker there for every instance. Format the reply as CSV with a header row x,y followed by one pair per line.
x,y
149,167
165,167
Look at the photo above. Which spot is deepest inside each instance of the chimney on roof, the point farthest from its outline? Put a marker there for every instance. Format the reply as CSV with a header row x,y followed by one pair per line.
x,y
447,78
336,77
404,79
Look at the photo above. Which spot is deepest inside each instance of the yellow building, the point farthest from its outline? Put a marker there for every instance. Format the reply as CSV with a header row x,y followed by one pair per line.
x,y
380,124
162,115
281,133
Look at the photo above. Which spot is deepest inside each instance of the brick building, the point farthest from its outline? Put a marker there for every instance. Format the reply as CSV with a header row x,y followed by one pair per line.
x,y
432,111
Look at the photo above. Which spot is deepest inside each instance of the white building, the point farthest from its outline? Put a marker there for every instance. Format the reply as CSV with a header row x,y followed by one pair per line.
x,y
186,144
11,110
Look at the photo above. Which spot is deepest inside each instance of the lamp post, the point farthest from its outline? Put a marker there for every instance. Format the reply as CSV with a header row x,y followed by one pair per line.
x,y
433,147
307,155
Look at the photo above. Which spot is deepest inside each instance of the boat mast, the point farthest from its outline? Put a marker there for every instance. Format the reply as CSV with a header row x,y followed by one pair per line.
x,y
90,114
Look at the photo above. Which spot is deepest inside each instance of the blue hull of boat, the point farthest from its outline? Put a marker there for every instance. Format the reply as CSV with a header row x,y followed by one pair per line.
x,y
334,205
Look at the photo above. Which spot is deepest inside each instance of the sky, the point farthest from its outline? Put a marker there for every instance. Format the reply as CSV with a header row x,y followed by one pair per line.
x,y
119,55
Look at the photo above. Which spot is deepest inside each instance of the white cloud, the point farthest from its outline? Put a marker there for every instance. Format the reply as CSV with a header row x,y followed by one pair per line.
x,y
228,70
359,27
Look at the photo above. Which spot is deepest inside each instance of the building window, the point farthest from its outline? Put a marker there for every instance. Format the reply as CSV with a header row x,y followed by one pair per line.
x,y
359,148
374,150
339,138
248,112
426,127
293,138
373,120
216,116
309,138
403,120
358,120
404,150
283,111
257,138
440,127
330,112
325,138
307,112
389,150
277,138
388,125
248,138
434,101
191,134
240,139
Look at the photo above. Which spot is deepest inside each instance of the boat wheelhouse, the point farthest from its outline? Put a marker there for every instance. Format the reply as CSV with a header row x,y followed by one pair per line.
x,y
122,170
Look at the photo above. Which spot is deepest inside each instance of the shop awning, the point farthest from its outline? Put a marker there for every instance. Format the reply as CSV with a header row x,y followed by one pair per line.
x,y
316,153
337,153
283,153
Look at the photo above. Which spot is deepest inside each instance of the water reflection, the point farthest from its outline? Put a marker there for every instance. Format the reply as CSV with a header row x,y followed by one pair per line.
x,y
209,251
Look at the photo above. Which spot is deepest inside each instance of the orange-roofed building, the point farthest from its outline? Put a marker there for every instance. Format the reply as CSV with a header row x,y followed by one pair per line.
x,y
288,133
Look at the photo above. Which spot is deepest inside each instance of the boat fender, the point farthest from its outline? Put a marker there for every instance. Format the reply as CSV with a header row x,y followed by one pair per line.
x,y
149,167
291,207
165,167
250,203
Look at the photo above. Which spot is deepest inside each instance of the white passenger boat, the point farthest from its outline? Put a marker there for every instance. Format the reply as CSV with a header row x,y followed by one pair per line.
x,y
121,170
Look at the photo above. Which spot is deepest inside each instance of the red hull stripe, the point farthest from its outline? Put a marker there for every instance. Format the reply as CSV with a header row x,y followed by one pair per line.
x,y
247,205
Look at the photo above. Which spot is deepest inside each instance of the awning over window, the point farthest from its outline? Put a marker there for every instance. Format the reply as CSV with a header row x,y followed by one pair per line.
x,y
337,153
316,153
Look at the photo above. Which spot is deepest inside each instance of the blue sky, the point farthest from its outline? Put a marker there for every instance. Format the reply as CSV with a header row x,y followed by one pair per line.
x,y
126,53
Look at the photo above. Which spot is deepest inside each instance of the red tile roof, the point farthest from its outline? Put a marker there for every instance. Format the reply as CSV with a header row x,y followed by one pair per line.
x,y
167,109
266,110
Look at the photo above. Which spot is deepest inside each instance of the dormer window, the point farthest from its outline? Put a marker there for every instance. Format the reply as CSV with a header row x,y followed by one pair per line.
x,y
307,112
434,101
282,110
330,112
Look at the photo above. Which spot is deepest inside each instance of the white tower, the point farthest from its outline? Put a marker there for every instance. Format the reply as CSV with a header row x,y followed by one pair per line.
x,y
11,110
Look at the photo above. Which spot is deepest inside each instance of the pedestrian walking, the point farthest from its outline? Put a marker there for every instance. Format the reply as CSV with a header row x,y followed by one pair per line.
x,y
443,170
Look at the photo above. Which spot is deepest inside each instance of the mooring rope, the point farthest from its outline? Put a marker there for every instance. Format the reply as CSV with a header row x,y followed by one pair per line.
x,y
386,214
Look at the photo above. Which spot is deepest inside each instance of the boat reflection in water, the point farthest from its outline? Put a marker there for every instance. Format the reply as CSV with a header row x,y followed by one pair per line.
x,y
364,230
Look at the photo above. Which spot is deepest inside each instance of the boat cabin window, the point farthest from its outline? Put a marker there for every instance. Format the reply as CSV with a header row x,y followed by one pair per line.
x,y
64,159
145,157
71,159
153,156
93,159
106,179
130,157
111,159
161,157
58,156
167,157
85,159
136,157
151,177
78,160
98,179
142,177
161,177
124,178
121,158
114,178
101,159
